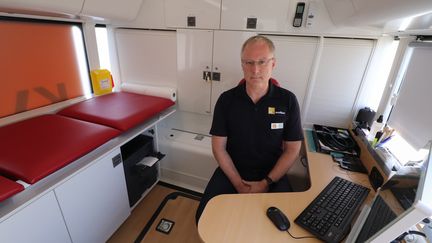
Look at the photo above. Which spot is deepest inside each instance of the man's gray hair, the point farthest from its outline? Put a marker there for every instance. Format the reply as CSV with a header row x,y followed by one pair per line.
x,y
258,38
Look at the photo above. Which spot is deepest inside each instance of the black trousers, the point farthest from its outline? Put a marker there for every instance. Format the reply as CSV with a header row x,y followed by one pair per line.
x,y
220,184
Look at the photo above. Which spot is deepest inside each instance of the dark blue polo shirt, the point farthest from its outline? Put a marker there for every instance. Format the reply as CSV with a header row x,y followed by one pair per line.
x,y
255,132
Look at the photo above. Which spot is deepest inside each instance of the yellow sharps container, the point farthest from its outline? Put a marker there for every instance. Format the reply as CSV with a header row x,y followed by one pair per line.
x,y
101,81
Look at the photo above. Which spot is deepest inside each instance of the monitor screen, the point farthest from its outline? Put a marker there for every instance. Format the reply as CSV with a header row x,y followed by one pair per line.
x,y
399,204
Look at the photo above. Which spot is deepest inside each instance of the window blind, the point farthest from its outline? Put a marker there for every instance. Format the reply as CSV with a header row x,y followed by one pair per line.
x,y
39,64
412,114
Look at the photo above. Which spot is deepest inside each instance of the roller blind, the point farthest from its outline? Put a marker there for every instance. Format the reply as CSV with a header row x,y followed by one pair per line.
x,y
40,64
412,114
340,73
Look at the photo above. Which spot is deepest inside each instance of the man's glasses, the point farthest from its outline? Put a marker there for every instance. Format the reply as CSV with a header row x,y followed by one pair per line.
x,y
259,63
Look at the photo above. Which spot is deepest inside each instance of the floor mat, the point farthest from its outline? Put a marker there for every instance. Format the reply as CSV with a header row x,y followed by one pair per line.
x,y
173,221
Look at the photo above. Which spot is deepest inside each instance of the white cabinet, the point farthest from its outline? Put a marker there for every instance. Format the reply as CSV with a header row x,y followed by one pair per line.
x,y
192,13
50,6
94,202
112,9
201,51
39,222
264,15
151,16
147,56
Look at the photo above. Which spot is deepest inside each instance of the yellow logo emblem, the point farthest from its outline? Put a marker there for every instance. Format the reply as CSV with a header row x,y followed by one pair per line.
x,y
271,110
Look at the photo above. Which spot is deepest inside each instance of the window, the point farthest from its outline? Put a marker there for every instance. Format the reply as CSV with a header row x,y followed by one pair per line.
x,y
410,106
41,63
103,47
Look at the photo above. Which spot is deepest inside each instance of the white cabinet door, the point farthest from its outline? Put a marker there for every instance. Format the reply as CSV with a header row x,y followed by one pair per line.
x,y
295,56
182,13
54,6
209,51
41,221
147,57
194,56
95,202
226,61
269,15
151,16
112,9
340,73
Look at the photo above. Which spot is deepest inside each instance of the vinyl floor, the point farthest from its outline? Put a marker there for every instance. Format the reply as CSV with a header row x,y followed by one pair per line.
x,y
176,209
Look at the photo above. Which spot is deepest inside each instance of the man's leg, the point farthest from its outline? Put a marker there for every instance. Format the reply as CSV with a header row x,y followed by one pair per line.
x,y
218,184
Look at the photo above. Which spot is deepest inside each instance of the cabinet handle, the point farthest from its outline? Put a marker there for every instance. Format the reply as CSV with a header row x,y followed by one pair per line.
x,y
207,76
116,160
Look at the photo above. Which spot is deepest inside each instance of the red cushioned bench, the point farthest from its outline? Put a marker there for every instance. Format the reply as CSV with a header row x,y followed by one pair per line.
x,y
120,110
37,147
8,188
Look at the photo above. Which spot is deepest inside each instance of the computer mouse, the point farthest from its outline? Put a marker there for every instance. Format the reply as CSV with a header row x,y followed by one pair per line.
x,y
278,218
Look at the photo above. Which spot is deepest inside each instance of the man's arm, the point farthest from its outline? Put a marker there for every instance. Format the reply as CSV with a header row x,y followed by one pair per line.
x,y
226,164
290,153
286,160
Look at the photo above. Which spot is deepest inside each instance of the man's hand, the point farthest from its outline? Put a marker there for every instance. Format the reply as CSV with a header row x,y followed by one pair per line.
x,y
243,187
257,186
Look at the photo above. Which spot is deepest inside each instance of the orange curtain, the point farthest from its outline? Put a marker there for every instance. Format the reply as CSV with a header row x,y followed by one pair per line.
x,y
38,65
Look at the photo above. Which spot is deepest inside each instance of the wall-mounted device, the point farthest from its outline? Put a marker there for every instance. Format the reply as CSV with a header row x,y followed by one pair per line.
x,y
298,17
312,11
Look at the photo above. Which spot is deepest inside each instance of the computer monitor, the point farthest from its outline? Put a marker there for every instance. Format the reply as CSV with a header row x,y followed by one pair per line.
x,y
402,202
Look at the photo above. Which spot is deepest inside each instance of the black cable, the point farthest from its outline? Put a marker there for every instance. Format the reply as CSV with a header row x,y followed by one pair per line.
x,y
301,237
415,232
410,232
336,140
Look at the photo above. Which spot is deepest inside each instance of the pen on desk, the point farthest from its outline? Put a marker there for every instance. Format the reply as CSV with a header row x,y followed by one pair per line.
x,y
384,141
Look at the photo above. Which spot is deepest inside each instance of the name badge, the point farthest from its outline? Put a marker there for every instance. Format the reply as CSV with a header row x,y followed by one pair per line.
x,y
276,125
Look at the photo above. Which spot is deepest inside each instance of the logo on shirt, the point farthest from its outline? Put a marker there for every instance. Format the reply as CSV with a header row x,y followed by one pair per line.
x,y
271,110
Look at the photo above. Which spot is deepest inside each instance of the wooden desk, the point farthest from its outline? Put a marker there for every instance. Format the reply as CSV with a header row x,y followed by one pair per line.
x,y
242,217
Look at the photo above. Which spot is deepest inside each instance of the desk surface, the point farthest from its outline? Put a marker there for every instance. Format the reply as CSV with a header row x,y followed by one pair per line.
x,y
242,217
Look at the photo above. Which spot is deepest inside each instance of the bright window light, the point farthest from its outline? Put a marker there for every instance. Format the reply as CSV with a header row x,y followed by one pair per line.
x,y
81,59
103,48
403,151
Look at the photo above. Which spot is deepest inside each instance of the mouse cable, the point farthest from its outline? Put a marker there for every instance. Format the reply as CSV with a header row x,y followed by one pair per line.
x,y
300,237
410,232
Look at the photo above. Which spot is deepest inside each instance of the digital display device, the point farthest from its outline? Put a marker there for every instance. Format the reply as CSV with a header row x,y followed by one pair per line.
x,y
298,16
403,201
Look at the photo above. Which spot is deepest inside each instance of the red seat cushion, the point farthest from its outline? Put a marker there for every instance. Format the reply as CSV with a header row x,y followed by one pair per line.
x,y
37,147
9,188
120,110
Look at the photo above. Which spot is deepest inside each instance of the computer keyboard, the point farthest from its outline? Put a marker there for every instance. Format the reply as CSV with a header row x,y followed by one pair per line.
x,y
330,214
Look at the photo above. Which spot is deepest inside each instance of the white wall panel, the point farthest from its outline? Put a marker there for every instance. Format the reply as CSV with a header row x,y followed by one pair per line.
x,y
339,76
147,57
